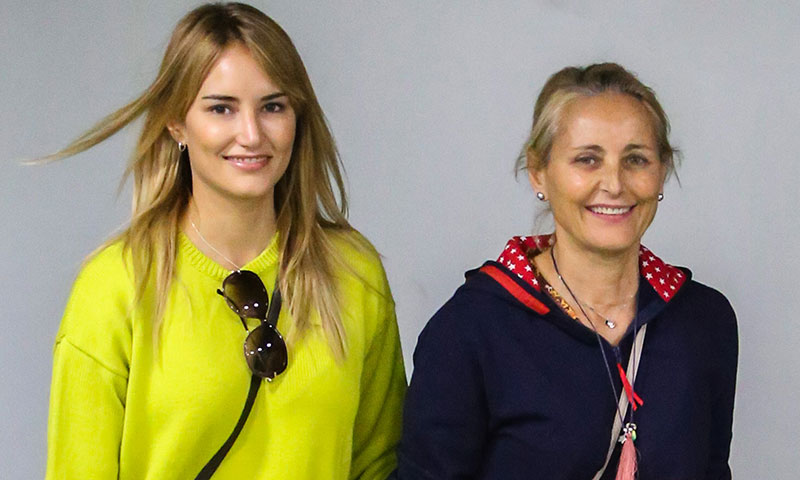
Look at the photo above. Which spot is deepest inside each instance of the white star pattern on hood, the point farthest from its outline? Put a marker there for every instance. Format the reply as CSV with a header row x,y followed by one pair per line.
x,y
665,279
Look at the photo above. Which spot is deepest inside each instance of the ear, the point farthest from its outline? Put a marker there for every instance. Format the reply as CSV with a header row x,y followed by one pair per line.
x,y
177,131
536,175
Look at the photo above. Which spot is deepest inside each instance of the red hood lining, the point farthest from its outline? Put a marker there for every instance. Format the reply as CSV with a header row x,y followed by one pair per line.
x,y
665,279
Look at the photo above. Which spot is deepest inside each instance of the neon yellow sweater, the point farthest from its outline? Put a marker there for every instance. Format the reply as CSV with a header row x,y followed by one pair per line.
x,y
120,408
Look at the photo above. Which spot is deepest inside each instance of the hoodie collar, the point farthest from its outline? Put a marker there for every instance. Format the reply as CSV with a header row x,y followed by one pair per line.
x,y
665,279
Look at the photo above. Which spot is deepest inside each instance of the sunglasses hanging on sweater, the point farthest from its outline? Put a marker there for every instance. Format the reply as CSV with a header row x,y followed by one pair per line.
x,y
264,348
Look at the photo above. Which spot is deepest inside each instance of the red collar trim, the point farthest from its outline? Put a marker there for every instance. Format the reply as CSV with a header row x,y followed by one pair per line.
x,y
514,289
665,279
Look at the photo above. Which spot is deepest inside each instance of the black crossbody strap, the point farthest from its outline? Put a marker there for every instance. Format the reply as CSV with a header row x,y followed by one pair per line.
x,y
213,464
255,383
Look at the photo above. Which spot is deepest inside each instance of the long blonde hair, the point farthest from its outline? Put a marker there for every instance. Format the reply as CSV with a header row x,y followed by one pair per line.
x,y
310,199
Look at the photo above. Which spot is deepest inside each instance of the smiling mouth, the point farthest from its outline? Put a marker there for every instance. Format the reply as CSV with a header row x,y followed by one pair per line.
x,y
247,159
610,210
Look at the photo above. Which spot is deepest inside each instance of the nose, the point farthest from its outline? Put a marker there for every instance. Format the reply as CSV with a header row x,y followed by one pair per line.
x,y
250,132
611,179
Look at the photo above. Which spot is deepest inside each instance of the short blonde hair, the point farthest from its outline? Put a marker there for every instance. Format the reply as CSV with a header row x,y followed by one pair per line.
x,y
571,83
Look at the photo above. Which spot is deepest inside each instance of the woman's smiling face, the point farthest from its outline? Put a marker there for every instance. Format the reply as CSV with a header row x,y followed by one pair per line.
x,y
239,130
603,174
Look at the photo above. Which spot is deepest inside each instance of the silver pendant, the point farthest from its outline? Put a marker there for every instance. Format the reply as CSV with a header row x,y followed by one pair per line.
x,y
610,324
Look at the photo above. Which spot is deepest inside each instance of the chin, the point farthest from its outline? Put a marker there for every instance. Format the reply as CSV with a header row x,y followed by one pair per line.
x,y
255,195
613,245
248,194
251,190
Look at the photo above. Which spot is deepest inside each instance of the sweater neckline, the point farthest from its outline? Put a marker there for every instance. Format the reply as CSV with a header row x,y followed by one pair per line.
x,y
188,252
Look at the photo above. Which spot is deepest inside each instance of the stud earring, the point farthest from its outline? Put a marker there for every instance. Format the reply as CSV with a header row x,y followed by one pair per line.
x,y
181,146
660,197
540,196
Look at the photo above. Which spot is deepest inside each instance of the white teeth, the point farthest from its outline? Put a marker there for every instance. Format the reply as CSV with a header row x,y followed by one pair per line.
x,y
247,159
611,210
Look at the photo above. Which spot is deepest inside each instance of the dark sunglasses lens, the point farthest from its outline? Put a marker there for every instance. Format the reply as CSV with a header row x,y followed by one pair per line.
x,y
265,351
246,294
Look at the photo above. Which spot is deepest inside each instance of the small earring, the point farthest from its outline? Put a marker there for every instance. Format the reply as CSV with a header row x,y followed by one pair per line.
x,y
181,146
540,196
660,197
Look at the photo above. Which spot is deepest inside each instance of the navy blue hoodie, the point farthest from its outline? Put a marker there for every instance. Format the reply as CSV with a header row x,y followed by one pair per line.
x,y
507,386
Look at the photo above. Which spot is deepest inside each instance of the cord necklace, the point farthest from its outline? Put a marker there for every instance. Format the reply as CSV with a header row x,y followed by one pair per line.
x,y
630,427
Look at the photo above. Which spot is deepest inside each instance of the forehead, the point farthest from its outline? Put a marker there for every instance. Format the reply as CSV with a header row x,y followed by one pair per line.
x,y
610,118
236,72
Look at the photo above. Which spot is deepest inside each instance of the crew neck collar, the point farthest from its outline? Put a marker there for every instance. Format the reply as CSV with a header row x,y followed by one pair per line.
x,y
188,252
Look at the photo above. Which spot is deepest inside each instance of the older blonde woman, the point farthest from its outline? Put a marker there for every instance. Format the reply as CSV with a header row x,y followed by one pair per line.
x,y
235,224
578,353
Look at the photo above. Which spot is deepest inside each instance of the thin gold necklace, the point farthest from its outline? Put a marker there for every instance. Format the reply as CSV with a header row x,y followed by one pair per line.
x,y
237,267
607,320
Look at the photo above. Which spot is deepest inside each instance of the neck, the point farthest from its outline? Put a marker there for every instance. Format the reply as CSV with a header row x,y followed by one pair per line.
x,y
603,280
238,230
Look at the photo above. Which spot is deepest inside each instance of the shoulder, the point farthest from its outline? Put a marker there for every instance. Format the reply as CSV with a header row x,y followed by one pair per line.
x,y
102,295
709,301
358,261
105,274
478,308
711,316
110,263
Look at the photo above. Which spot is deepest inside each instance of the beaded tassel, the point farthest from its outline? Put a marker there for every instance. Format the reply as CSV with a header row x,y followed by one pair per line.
x,y
627,459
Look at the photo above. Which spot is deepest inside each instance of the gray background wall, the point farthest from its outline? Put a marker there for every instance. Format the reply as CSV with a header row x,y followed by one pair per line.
x,y
430,102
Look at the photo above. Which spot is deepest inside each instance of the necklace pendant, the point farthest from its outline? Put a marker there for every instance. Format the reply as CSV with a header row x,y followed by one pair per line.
x,y
611,324
628,431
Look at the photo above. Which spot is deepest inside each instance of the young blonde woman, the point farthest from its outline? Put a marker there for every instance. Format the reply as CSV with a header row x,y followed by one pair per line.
x,y
579,354
238,237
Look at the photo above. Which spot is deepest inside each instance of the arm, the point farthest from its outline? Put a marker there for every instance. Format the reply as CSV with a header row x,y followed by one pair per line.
x,y
90,370
383,385
724,391
446,416
87,403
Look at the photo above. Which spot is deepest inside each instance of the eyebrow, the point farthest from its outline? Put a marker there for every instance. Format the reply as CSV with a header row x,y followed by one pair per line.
x,y
636,146
229,98
628,148
596,148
